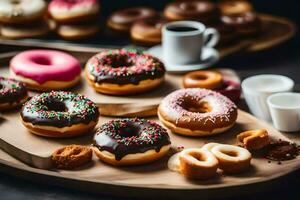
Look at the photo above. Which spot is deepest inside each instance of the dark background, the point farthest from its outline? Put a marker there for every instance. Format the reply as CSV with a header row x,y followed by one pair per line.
x,y
284,59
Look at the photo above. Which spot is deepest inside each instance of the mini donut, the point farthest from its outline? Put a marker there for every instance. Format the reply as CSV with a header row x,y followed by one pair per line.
x,y
12,93
203,11
66,11
235,7
134,141
77,31
59,114
197,112
232,159
122,20
147,32
72,156
46,69
19,31
196,163
122,72
230,89
202,79
253,139
21,11
247,24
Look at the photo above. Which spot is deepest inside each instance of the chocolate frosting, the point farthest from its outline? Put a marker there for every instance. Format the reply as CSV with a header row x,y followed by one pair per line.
x,y
59,109
11,91
124,67
129,136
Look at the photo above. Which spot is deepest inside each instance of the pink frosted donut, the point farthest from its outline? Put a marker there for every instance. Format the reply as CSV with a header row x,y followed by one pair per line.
x,y
197,112
66,11
46,69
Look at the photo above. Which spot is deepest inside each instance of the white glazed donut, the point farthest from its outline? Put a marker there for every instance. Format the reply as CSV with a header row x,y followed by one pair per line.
x,y
19,11
232,159
73,11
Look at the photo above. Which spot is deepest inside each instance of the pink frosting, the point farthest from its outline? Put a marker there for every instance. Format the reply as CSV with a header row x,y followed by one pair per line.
x,y
45,65
71,3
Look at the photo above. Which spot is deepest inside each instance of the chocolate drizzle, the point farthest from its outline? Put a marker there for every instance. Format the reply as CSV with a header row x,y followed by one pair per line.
x,y
11,91
124,67
59,109
129,136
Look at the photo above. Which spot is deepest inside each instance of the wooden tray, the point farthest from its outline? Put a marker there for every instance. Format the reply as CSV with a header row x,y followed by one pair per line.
x,y
275,30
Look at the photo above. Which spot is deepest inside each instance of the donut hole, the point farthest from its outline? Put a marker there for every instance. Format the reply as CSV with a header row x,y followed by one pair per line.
x,y
41,60
230,153
200,77
56,106
120,61
15,2
196,106
198,156
129,130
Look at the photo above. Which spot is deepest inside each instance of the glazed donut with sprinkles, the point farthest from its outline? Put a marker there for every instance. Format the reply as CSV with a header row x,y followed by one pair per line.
x,y
121,72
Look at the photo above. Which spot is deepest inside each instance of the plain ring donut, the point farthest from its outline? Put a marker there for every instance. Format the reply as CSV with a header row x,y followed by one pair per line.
x,y
202,79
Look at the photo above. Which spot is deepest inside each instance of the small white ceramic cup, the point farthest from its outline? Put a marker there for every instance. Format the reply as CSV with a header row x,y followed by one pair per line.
x,y
257,89
183,41
285,111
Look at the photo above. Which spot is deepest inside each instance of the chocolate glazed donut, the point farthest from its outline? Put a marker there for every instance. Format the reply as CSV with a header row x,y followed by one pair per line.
x,y
131,141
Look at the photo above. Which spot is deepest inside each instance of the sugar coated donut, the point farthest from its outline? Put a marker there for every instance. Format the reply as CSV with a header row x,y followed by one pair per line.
x,y
122,20
202,79
235,7
59,114
254,139
19,11
77,31
120,72
147,32
46,69
66,11
12,93
197,112
131,142
204,11
232,159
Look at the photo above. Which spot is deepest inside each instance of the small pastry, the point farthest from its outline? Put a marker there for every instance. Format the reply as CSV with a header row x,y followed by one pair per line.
x,y
21,11
197,112
247,24
147,32
122,20
46,69
122,72
74,11
203,11
131,142
77,31
202,79
59,114
19,31
253,139
235,7
72,156
12,93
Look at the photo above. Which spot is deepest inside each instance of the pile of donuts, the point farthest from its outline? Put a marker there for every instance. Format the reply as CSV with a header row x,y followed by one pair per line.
x,y
79,19
128,141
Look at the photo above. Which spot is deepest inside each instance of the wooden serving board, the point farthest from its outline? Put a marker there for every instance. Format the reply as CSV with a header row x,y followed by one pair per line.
x,y
275,30
152,180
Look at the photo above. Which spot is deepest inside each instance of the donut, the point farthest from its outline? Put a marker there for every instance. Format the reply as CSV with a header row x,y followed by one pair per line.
x,y
147,32
247,24
21,11
253,139
59,114
122,20
235,7
196,163
46,69
197,112
203,11
133,141
77,31
12,93
230,89
19,31
66,11
232,159
71,156
202,79
121,72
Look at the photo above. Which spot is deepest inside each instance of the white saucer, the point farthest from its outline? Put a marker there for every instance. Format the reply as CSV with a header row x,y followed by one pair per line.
x,y
209,57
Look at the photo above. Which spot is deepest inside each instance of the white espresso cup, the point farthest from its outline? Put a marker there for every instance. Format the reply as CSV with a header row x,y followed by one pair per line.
x,y
257,89
285,111
183,41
